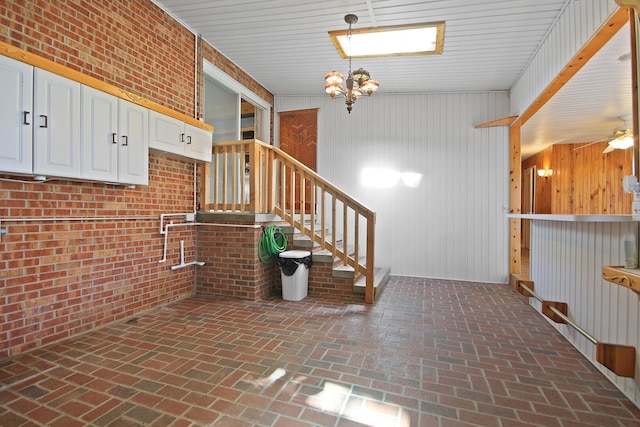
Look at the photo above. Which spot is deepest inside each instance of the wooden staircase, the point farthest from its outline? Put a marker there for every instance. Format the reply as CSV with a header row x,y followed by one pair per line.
x,y
339,269
250,176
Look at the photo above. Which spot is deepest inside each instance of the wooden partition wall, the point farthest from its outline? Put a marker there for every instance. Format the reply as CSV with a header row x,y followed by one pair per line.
x,y
584,180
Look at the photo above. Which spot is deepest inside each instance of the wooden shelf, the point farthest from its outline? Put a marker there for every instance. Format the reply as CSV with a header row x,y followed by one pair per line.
x,y
573,218
627,277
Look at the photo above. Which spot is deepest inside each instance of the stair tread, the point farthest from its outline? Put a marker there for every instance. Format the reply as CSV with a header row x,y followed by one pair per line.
x,y
340,270
380,275
380,279
323,252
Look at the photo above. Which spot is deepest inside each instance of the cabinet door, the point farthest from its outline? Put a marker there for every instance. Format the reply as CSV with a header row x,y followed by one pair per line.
x,y
16,108
99,135
166,133
199,143
133,154
56,136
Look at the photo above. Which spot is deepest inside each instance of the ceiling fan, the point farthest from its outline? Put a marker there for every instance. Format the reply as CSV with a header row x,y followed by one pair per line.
x,y
622,138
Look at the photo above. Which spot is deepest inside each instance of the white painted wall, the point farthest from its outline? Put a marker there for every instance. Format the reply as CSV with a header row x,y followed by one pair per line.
x,y
452,225
566,266
575,26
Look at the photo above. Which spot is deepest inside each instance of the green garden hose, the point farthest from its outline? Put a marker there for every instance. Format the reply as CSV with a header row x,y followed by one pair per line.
x,y
272,242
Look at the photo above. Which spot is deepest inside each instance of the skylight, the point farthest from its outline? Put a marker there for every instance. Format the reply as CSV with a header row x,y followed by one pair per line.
x,y
400,40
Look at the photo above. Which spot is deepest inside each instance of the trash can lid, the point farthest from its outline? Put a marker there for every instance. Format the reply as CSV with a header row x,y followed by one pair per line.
x,y
294,254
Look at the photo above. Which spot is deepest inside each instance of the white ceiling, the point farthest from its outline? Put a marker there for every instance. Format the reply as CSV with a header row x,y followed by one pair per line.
x,y
284,45
588,108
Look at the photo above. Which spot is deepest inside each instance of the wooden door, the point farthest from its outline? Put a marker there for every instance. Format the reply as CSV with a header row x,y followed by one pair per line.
x,y
299,139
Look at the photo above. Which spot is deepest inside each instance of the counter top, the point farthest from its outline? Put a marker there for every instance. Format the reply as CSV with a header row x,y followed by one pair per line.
x,y
574,218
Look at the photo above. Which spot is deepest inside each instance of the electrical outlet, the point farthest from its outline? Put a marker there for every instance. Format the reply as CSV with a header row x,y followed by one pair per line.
x,y
630,184
190,217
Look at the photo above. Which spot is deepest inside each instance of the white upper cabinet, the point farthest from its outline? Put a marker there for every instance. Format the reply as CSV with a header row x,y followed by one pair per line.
x,y
173,136
99,135
56,136
115,146
133,149
16,115
57,127
199,143
166,133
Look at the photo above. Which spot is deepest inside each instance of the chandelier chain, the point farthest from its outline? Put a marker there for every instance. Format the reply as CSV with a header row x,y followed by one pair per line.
x,y
349,39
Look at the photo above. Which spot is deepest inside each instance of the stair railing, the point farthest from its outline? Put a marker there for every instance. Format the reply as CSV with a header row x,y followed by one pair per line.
x,y
251,176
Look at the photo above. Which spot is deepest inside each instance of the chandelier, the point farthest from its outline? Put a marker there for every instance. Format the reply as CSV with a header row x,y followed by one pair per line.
x,y
358,82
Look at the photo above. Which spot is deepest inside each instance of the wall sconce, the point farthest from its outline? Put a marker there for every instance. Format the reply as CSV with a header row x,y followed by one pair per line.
x,y
545,173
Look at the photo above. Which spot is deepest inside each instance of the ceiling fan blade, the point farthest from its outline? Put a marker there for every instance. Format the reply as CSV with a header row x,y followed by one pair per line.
x,y
591,143
619,133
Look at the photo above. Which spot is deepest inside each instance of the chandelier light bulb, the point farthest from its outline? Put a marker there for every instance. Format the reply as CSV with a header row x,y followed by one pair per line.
x,y
370,86
334,77
333,89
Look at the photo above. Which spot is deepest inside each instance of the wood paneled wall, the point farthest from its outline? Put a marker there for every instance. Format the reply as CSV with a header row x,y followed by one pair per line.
x,y
542,194
584,180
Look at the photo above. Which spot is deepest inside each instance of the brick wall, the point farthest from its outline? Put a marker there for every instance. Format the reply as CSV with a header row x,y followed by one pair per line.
x,y
61,278
323,284
131,44
233,268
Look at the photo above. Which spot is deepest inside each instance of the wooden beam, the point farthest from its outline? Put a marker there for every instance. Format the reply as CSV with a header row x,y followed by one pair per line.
x,y
615,22
515,199
633,19
505,121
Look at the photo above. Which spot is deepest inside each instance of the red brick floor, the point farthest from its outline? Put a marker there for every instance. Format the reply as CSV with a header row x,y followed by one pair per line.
x,y
428,353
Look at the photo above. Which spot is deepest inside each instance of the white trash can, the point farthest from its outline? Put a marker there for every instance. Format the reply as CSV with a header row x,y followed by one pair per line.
x,y
294,267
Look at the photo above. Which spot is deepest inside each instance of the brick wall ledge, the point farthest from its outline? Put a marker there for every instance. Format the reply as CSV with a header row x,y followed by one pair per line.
x,y
236,217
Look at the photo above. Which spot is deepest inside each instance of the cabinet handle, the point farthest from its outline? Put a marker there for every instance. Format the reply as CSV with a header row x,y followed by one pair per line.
x,y
45,125
114,138
189,139
182,137
125,140
25,117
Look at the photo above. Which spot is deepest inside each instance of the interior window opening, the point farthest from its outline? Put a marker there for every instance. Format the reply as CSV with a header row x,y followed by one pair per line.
x,y
235,112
